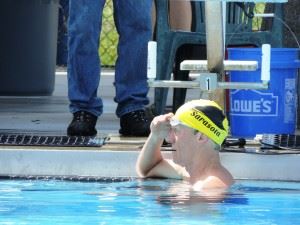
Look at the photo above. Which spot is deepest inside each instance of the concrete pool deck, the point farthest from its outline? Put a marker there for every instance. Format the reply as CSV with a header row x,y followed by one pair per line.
x,y
50,115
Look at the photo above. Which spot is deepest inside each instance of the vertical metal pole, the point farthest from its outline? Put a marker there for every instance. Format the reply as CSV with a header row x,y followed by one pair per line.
x,y
214,36
215,45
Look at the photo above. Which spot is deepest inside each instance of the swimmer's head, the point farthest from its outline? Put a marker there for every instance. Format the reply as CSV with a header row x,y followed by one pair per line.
x,y
204,116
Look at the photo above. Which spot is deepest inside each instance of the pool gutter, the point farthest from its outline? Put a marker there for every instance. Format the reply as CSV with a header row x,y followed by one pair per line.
x,y
68,162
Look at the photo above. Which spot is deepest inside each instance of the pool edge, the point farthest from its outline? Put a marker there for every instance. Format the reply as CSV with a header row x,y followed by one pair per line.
x,y
107,163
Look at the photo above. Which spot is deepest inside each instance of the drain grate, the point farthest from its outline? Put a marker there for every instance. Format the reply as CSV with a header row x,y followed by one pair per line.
x,y
281,141
71,178
43,140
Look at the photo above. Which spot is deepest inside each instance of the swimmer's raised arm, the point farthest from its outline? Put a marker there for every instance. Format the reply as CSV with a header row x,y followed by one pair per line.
x,y
150,161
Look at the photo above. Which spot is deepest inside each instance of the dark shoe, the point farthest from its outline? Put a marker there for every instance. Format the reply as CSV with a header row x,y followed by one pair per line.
x,y
135,124
83,124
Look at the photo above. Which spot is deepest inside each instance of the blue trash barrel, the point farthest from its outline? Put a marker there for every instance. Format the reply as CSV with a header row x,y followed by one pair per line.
x,y
28,46
271,111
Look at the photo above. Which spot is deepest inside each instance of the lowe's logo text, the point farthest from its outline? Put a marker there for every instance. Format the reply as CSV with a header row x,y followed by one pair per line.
x,y
253,103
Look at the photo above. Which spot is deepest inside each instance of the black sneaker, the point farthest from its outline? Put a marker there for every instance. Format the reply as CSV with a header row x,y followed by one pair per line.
x,y
135,124
83,124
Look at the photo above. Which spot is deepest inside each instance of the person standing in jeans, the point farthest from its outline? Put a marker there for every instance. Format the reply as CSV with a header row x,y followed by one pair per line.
x,y
133,23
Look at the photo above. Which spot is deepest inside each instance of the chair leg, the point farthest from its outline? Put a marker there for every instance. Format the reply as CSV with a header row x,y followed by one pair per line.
x,y
187,51
180,93
165,59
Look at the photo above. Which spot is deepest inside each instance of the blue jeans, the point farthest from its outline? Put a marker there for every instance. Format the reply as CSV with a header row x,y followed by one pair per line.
x,y
133,23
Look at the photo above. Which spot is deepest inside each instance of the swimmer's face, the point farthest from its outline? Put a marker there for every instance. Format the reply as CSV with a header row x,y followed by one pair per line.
x,y
182,138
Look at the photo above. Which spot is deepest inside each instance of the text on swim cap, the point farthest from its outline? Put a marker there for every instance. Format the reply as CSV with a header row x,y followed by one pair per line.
x,y
206,123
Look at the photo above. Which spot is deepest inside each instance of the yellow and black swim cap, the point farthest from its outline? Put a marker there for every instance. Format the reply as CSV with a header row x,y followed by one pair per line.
x,y
205,116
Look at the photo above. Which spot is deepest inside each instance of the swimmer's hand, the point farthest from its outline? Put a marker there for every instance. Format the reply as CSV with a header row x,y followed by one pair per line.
x,y
160,126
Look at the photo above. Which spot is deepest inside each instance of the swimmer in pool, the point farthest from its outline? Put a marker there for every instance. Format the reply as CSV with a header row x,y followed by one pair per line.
x,y
196,132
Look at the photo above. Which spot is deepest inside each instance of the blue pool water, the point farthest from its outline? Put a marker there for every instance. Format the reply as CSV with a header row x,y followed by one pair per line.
x,y
144,202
